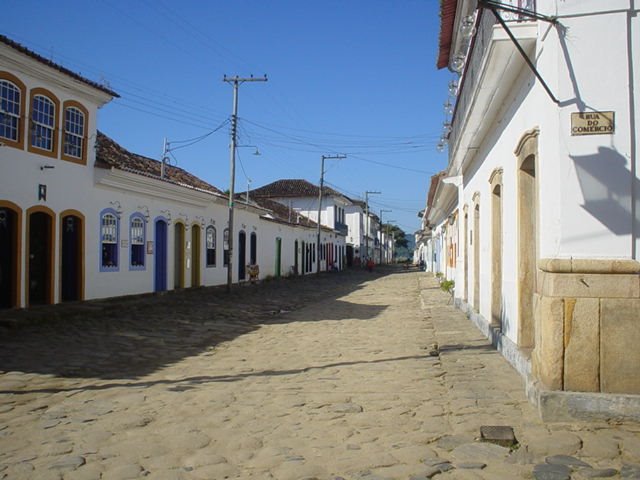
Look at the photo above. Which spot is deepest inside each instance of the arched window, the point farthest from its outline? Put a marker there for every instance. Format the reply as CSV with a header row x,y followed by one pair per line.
x,y
211,246
43,116
109,237
137,238
44,122
10,109
75,127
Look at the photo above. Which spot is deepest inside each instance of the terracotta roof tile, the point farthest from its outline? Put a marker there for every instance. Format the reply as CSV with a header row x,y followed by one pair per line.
x,y
60,68
290,188
447,18
111,155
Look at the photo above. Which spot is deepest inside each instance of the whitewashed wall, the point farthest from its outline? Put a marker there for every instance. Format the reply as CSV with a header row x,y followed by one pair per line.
x,y
585,182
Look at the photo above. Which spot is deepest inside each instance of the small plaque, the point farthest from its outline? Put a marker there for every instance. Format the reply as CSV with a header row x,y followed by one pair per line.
x,y
149,247
593,123
124,243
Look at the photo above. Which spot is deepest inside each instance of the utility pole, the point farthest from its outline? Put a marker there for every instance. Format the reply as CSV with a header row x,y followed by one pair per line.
x,y
236,81
366,230
165,150
324,157
381,224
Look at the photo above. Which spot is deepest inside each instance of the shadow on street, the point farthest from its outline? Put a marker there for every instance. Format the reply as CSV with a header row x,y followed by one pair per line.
x,y
130,337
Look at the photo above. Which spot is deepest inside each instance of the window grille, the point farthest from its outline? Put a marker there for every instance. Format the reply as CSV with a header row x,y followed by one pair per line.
x,y
109,240
211,246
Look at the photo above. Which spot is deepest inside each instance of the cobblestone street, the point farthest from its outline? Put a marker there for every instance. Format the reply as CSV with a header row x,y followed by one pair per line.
x,y
328,377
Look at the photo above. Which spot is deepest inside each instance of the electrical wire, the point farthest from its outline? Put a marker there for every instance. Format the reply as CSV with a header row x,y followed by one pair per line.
x,y
241,165
325,144
258,124
193,141
116,83
173,119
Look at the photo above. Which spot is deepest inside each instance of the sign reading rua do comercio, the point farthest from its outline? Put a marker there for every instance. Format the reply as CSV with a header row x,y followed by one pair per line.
x,y
593,123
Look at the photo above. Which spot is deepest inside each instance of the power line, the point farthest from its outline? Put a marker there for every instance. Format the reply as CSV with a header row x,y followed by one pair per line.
x,y
193,141
389,147
391,165
174,112
173,119
340,134
116,82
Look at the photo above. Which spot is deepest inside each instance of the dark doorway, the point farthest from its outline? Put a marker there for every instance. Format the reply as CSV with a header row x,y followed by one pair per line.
x,y
278,257
178,256
242,255
9,258
349,256
160,284
253,249
40,258
71,258
195,256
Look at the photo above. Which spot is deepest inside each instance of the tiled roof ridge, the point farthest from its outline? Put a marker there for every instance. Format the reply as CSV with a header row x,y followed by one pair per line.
x,y
30,53
291,187
109,153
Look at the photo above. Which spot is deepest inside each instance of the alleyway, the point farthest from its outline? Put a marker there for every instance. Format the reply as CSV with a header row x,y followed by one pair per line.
x,y
323,377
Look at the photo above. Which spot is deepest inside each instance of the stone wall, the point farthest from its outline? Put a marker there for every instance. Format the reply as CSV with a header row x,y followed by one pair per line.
x,y
587,324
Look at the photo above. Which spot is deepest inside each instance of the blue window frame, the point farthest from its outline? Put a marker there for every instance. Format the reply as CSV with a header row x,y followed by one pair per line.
x,y
109,239
137,239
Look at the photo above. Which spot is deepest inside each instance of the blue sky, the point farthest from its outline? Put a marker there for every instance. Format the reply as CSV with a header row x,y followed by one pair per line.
x,y
348,77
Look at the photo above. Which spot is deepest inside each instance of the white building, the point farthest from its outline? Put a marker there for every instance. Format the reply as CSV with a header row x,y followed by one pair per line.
x,y
301,198
81,217
538,216
355,219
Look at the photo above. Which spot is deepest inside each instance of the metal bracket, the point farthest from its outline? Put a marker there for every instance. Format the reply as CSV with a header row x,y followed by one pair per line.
x,y
493,6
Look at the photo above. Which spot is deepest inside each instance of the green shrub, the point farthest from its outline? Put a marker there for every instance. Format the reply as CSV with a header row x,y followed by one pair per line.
x,y
448,286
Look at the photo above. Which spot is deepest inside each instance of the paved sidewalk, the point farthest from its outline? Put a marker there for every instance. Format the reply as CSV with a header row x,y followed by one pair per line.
x,y
329,377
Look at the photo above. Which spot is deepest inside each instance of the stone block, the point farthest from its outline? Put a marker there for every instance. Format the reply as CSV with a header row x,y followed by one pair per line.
x,y
593,265
619,341
562,265
582,345
588,265
547,358
500,435
589,285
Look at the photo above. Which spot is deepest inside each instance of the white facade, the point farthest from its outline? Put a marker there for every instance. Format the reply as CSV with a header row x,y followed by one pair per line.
x,y
354,215
585,185
72,228
527,203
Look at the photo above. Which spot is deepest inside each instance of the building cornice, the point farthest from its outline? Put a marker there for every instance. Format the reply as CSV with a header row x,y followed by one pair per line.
x,y
138,184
